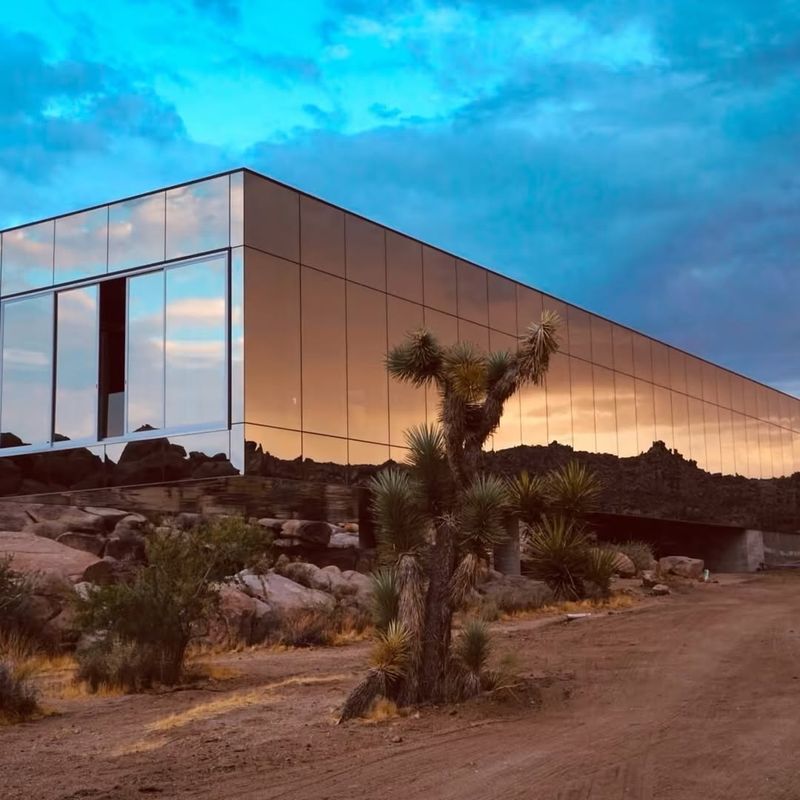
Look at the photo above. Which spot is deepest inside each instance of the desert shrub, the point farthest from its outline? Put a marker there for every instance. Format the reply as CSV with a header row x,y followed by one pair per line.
x,y
149,621
641,553
556,553
18,698
600,567
320,626
471,651
488,609
15,593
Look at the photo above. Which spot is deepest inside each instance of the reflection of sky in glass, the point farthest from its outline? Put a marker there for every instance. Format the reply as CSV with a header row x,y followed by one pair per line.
x,y
76,364
27,368
196,380
197,217
145,372
27,258
136,232
81,245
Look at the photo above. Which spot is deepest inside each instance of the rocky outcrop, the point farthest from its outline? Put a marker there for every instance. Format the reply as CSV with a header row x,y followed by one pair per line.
x,y
682,566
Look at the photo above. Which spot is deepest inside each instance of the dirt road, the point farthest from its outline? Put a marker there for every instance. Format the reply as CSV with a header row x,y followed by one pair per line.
x,y
694,696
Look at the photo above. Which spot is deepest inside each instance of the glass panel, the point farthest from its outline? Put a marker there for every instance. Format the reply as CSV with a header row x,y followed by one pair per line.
x,y
197,345
660,353
367,381
788,457
81,245
145,367
321,236
626,415
750,405
762,402
399,454
680,424
237,334
406,402
605,412
713,448
694,377
533,411
580,333
753,448
795,415
365,252
642,358
136,230
663,410
796,451
529,308
741,450
765,446
709,383
198,217
324,354
445,328
76,364
773,400
271,217
559,401
677,370
197,455
602,342
724,388
237,209
550,303
785,404
737,393
502,303
623,350
727,444
272,353
472,293
583,432
324,449
476,334
776,449
367,453
27,371
272,451
403,267
439,273
645,416
697,425
508,433
28,258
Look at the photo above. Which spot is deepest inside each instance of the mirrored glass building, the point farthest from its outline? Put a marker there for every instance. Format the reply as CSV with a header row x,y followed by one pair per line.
x,y
234,325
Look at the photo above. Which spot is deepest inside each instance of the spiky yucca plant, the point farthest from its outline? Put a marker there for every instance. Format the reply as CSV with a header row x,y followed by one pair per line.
x,y
527,496
384,598
572,489
472,650
388,667
557,551
601,563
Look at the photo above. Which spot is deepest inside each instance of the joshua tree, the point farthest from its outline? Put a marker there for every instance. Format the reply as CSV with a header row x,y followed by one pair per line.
x,y
439,519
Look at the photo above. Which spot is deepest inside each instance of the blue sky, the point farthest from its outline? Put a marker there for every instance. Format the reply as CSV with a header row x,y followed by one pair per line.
x,y
638,158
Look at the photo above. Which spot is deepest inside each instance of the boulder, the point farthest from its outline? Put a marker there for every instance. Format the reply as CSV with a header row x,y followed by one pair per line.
x,y
238,619
106,571
271,524
281,594
343,540
110,516
623,566
188,520
74,518
31,553
649,579
683,566
13,516
88,542
350,527
49,528
306,531
516,593
128,546
659,590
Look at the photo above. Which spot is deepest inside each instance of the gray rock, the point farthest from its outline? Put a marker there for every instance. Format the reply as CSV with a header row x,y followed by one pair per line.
x,y
683,566
49,528
128,546
104,572
90,543
649,579
516,593
287,543
306,531
238,619
83,589
13,517
31,553
344,540
110,516
187,520
74,518
280,593
659,590
271,524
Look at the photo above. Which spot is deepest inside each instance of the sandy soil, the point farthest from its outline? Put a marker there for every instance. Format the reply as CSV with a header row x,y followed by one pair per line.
x,y
691,696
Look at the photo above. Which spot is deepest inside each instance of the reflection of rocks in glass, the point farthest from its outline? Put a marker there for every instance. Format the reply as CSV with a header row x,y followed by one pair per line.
x,y
258,462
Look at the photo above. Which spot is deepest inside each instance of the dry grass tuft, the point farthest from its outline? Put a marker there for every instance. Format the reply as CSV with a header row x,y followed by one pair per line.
x,y
382,710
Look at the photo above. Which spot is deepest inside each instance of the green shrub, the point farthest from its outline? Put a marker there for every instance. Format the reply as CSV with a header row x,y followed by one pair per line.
x,y
471,651
556,553
600,568
142,628
15,592
18,699
641,553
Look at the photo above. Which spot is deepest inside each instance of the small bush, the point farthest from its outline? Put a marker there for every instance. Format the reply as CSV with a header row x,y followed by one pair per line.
x,y
488,610
141,629
472,648
309,627
18,699
16,590
557,553
641,553
600,568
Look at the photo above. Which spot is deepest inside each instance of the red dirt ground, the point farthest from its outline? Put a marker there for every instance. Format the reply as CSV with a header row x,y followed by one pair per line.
x,y
692,696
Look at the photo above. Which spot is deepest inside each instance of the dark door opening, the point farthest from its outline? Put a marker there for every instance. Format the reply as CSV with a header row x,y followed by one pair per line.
x,y
112,357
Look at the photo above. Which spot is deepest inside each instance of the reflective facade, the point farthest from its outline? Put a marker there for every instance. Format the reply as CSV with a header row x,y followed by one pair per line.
x,y
234,324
